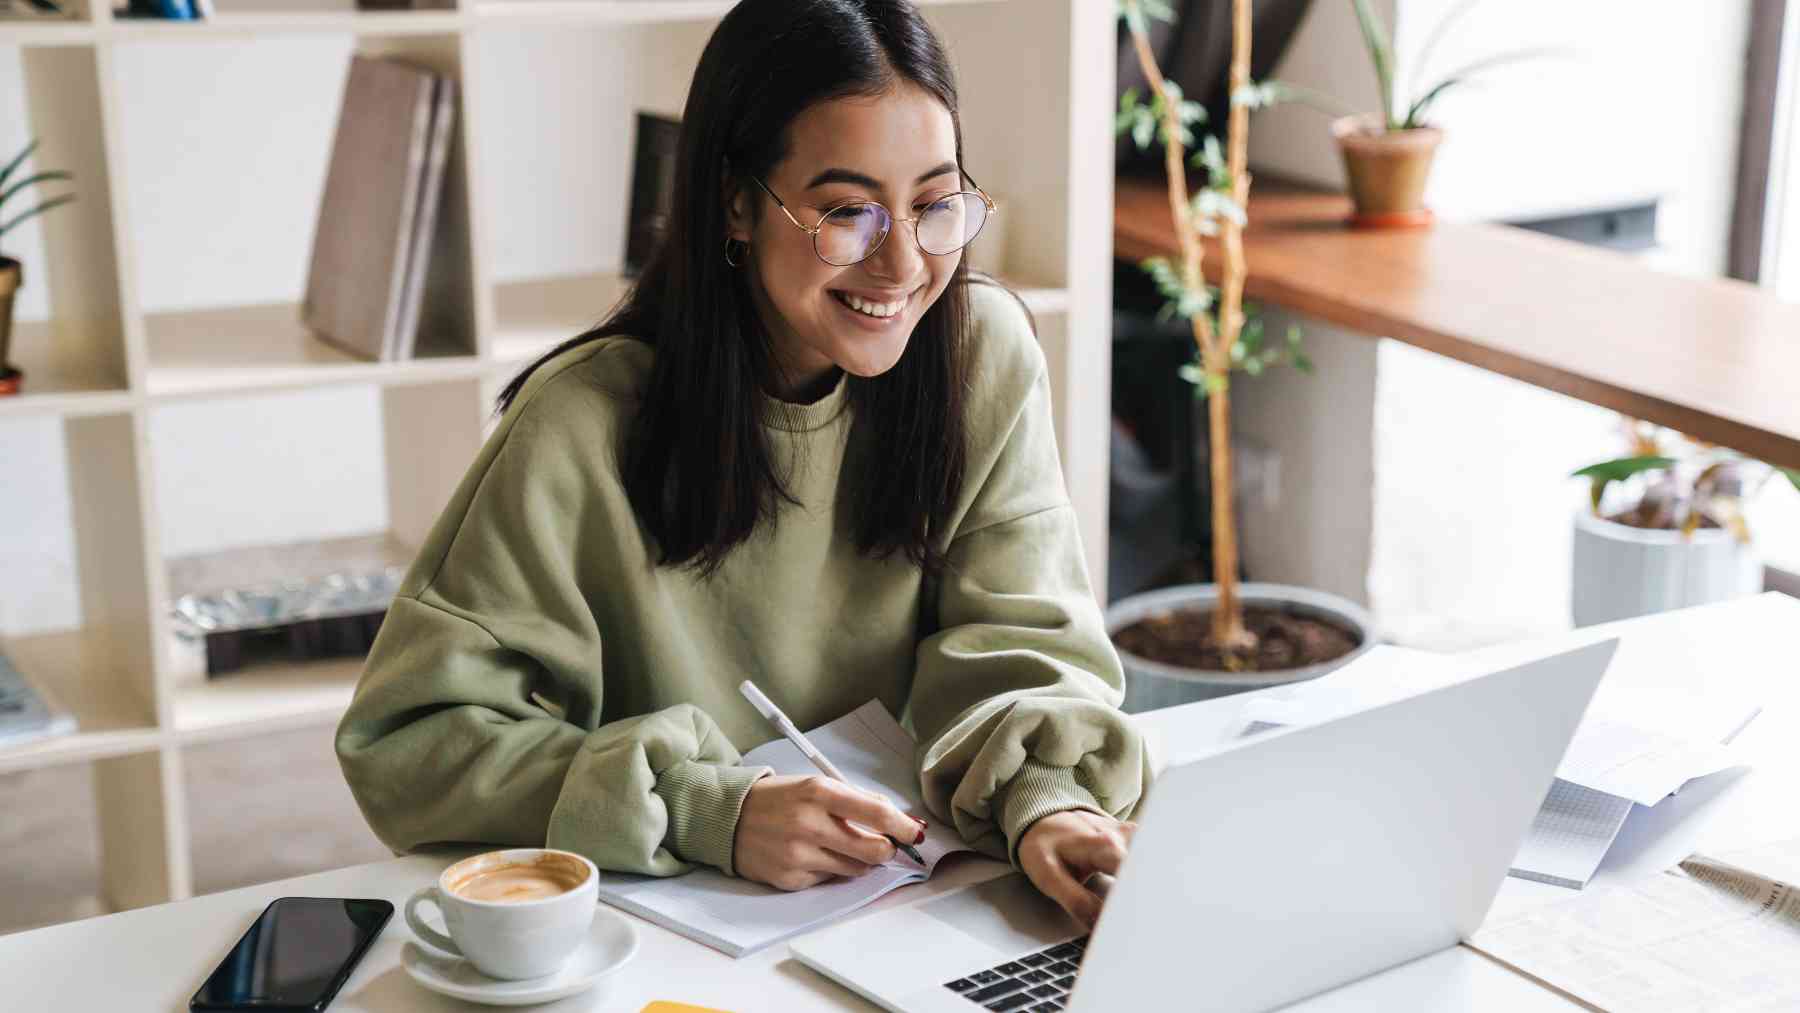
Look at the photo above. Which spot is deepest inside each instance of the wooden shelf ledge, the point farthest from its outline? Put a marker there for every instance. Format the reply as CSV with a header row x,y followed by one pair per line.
x,y
1716,359
246,349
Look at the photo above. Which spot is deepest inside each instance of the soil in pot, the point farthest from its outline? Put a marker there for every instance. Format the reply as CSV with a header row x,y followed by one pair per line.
x,y
1184,637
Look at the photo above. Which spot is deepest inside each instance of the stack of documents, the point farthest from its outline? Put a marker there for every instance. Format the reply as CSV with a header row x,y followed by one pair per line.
x,y
1635,747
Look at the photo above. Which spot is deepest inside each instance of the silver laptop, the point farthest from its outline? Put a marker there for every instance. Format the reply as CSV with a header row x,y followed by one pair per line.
x,y
1273,868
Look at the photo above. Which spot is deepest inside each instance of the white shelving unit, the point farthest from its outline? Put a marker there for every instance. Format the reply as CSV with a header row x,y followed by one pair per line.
x,y
1037,83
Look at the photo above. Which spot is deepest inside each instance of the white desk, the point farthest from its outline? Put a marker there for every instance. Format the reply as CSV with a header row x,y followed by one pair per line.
x,y
154,958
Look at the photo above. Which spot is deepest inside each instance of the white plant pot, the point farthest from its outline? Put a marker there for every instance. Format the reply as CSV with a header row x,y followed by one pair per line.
x,y
1150,685
1620,571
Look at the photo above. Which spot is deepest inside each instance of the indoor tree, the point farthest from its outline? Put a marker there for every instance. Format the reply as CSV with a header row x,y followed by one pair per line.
x,y
1226,337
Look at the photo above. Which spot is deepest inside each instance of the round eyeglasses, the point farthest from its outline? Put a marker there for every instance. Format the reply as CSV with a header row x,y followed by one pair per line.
x,y
851,232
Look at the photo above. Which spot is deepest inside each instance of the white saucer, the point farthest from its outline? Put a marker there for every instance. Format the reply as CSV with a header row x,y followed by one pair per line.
x,y
610,943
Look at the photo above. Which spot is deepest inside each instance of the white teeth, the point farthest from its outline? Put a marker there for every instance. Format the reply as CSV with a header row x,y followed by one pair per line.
x,y
873,309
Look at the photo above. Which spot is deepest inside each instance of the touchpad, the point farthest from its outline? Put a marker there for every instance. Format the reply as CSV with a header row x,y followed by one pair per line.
x,y
1006,912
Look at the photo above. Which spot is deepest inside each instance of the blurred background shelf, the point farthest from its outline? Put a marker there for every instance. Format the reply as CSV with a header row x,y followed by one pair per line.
x,y
70,669
622,12
54,385
230,25
271,697
243,349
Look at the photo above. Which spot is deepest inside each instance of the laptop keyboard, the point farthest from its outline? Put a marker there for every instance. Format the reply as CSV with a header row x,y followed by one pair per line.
x,y
1035,983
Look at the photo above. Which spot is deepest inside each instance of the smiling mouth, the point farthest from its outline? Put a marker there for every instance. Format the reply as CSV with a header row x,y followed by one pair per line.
x,y
877,310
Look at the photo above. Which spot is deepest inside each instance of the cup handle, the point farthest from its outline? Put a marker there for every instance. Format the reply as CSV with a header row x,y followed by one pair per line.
x,y
429,895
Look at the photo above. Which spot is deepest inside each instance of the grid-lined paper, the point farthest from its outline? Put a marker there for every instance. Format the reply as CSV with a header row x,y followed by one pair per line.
x,y
1570,835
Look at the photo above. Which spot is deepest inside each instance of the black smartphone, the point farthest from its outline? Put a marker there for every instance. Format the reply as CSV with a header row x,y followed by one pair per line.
x,y
296,957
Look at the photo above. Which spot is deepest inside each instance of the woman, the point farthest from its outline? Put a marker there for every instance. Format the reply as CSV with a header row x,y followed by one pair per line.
x,y
807,450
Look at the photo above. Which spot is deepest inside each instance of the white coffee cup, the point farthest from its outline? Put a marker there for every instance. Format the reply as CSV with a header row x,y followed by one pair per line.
x,y
513,914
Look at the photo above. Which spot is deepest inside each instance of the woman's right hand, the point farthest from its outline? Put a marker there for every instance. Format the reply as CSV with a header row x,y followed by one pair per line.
x,y
795,831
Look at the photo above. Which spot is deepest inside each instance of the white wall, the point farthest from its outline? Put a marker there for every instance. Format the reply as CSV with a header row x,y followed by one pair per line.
x,y
1467,532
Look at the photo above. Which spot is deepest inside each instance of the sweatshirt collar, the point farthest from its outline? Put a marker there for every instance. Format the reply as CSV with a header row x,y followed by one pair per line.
x,y
804,418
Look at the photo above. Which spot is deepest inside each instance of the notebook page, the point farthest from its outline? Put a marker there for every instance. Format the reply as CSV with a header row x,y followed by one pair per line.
x,y
871,749
739,916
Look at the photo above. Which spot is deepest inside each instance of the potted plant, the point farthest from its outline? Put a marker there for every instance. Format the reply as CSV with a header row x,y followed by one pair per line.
x,y
1387,155
12,273
1664,527
1201,640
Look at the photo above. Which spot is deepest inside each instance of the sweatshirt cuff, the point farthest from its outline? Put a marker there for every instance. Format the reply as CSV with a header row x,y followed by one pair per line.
x,y
1036,791
703,800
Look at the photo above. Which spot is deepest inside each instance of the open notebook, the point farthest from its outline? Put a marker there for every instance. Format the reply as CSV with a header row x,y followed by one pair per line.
x,y
740,916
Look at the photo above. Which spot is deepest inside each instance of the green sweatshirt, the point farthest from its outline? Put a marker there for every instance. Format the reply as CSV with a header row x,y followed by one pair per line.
x,y
540,681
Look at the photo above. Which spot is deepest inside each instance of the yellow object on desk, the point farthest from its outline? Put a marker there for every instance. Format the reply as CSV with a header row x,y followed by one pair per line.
x,y
662,1006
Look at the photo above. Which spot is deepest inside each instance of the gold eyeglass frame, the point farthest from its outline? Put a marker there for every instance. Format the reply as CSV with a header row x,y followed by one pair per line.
x,y
992,209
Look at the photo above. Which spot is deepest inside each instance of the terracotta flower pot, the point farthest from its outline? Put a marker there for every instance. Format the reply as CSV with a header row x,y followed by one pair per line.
x,y
12,275
1387,170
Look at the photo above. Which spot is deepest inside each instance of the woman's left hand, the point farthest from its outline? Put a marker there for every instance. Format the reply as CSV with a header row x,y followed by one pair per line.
x,y
1063,849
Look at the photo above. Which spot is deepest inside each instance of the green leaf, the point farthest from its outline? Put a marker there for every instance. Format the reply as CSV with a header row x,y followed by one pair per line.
x,y
40,209
1253,333
1302,363
1211,203
1255,95
1623,468
1272,92
1143,132
1793,475
17,161
1158,9
1415,114
1134,16
42,177
1381,53
1212,155
1191,372
1253,366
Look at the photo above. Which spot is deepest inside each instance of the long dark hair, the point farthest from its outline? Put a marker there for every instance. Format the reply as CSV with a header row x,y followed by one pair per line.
x,y
697,464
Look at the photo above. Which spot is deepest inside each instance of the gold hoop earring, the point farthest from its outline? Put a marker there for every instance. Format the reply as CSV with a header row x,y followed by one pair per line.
x,y
741,247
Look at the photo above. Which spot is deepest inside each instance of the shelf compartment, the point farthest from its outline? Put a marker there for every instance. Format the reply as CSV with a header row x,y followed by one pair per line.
x,y
69,330
235,24
534,316
46,32
56,385
244,349
269,698
210,333
72,668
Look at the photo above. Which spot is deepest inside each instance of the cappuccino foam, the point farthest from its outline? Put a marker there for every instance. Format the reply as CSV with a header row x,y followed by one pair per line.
x,y
516,882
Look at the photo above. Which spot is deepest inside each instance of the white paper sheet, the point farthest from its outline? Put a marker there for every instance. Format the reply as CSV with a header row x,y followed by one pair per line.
x,y
739,916
1709,934
1619,758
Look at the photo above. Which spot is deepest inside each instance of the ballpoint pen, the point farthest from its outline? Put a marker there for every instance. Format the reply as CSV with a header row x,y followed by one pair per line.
x,y
767,709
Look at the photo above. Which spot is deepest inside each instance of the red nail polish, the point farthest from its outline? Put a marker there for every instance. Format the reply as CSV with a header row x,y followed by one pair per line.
x,y
921,839
919,821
